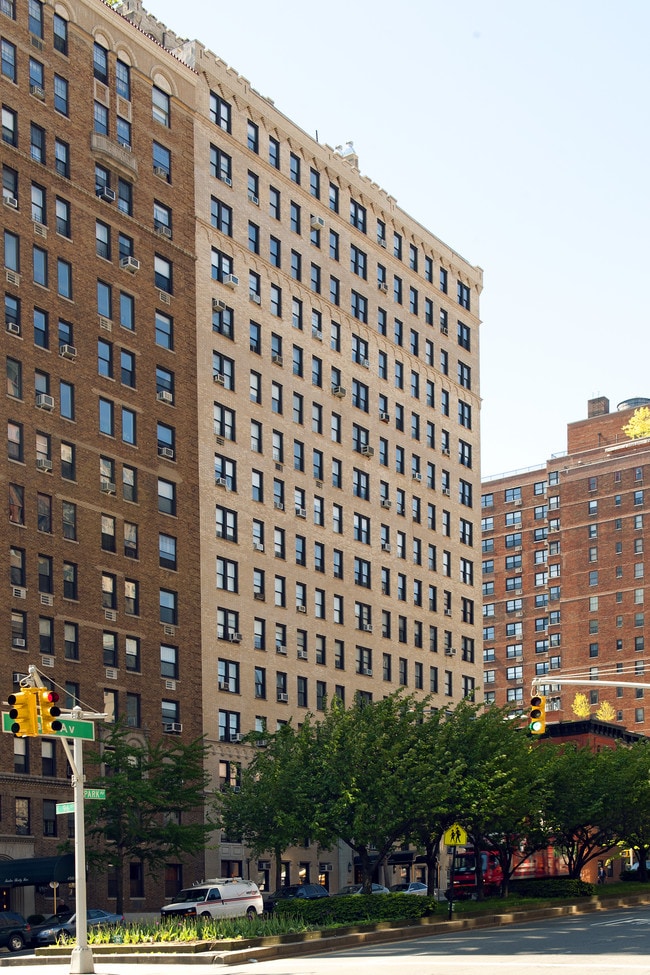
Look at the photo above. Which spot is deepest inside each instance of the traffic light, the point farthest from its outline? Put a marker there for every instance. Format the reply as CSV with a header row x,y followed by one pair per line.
x,y
24,712
49,711
537,715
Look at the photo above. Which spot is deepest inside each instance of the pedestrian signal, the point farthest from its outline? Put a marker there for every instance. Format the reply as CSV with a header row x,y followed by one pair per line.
x,y
537,715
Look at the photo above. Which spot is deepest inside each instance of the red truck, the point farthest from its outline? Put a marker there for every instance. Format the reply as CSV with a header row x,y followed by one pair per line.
x,y
541,864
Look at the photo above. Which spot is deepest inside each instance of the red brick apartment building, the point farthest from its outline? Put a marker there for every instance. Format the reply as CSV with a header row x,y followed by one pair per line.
x,y
564,583
242,419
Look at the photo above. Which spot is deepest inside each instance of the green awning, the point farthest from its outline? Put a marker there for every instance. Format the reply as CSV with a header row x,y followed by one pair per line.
x,y
37,871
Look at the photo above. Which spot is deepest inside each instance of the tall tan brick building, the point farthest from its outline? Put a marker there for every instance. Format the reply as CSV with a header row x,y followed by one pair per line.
x,y
242,416
564,582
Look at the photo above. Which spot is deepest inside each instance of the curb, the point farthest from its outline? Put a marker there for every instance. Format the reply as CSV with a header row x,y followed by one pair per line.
x,y
316,942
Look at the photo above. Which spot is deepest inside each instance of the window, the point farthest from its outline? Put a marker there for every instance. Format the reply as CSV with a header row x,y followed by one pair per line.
x,y
220,112
161,161
61,102
358,216
160,105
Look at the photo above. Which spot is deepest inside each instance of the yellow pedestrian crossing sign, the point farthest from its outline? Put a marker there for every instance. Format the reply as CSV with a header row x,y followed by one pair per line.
x,y
456,835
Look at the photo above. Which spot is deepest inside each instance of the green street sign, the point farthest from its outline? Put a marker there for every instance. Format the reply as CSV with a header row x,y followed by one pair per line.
x,y
70,728
63,808
94,793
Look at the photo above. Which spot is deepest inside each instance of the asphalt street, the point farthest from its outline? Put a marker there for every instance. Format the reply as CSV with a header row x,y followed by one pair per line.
x,y
601,943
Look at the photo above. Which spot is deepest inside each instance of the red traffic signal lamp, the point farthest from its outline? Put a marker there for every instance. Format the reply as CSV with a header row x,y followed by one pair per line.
x,y
23,711
49,711
537,715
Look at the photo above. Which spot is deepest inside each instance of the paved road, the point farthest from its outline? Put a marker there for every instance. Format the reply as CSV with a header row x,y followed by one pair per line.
x,y
605,943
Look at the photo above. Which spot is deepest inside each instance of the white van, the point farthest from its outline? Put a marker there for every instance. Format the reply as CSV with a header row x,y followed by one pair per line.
x,y
222,897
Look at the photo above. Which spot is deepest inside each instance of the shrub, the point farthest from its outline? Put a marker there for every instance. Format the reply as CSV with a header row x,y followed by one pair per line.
x,y
358,907
552,887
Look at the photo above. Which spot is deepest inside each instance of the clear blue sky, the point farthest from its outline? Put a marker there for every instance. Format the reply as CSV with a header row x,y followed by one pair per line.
x,y
515,131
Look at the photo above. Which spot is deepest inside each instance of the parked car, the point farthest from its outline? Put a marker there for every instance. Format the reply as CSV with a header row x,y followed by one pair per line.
x,y
414,887
308,892
358,889
49,934
222,897
15,932
47,922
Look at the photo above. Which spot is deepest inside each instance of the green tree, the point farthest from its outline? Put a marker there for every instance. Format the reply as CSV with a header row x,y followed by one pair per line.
x,y
360,793
492,798
153,811
272,809
579,812
626,770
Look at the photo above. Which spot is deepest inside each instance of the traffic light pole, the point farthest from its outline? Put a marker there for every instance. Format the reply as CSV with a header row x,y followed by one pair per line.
x,y
81,959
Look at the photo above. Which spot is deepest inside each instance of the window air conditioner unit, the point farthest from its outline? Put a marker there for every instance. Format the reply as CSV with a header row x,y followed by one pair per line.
x,y
254,199
383,287
365,363
163,230
236,738
172,727
445,451
234,637
417,476
447,612
339,391
253,295
219,379
325,867
164,396
317,334
368,451
131,264
367,627
382,242
302,655
67,352
220,482
258,547
11,202
444,329
385,547
301,608
224,685
107,487
19,592
160,172
258,595
167,452
301,512
316,223
226,179
280,648
368,672
37,92
218,304
44,402
450,652
110,615
385,503
231,281
283,697
13,327
106,193
277,359
445,491
384,417
278,505
18,641
43,464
